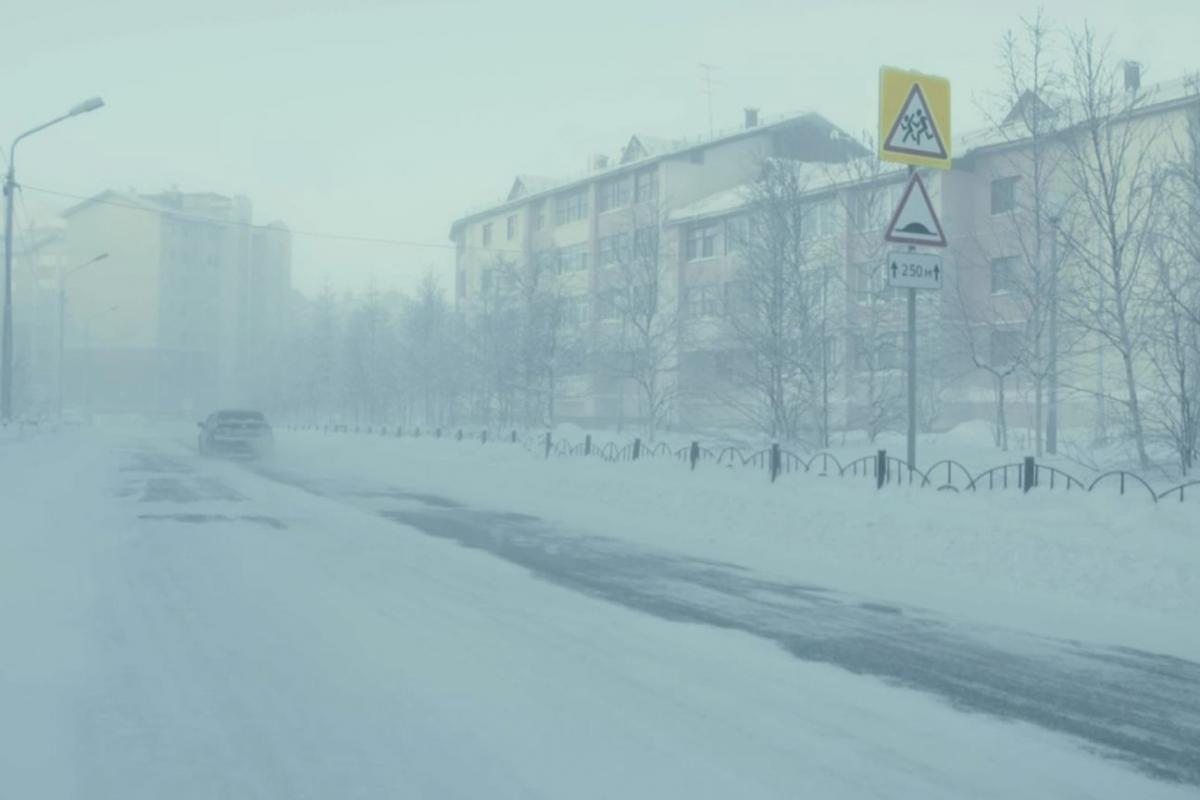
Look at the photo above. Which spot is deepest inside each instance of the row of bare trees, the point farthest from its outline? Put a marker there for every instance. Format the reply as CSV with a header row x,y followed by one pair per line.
x,y
1101,261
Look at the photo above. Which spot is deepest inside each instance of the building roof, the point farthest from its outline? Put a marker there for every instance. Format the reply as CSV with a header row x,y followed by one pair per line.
x,y
1012,130
114,197
642,146
649,149
816,178
532,184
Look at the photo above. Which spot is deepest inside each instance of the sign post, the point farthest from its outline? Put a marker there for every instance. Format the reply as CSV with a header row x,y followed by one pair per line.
x,y
914,129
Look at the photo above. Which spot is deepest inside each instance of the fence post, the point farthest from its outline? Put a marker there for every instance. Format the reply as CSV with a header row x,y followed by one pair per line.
x,y
694,454
483,436
1030,474
460,434
637,448
514,436
547,444
399,431
437,434
775,461
417,433
880,468
587,445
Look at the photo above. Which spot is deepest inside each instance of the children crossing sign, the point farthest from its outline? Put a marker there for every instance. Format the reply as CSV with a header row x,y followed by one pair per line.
x,y
914,118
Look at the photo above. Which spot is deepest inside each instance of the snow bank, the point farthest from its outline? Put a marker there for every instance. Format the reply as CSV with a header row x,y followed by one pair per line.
x,y
331,657
1095,567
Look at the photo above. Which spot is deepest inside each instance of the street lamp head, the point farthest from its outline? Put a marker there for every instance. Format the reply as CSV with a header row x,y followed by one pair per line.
x,y
100,257
91,104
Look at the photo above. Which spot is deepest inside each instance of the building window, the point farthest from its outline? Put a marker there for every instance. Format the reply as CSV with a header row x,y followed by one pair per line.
x,y
888,350
1005,347
737,296
577,311
570,207
487,234
702,241
868,279
510,226
702,301
819,221
645,244
539,215
737,231
608,305
885,354
612,249
645,185
1004,274
612,194
573,258
1004,195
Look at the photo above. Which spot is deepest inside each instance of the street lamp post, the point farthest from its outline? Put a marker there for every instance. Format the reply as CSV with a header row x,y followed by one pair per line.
x,y
62,317
10,181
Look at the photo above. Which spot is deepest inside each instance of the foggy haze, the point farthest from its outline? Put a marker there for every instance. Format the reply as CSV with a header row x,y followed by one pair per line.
x,y
387,119
510,400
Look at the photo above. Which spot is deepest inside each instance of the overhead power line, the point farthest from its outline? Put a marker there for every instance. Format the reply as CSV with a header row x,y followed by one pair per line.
x,y
327,235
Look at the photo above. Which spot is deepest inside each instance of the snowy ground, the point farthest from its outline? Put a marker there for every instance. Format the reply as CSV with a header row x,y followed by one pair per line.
x,y
1096,567
181,627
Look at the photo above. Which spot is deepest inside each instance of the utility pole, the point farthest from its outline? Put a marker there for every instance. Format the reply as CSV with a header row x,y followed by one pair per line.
x,y
10,182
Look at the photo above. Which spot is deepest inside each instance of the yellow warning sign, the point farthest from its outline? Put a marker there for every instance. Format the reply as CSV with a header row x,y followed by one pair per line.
x,y
914,118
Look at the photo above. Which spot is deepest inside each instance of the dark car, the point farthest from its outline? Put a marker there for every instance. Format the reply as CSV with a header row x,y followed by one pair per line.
x,y
243,434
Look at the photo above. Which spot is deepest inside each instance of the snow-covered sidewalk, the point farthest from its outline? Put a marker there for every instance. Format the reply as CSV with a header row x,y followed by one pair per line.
x,y
180,627
1094,567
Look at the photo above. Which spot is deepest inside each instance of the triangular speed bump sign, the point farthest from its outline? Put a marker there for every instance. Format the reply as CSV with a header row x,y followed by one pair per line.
x,y
915,131
915,221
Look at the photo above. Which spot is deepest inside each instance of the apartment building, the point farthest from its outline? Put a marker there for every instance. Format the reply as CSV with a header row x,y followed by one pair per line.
x,y
969,332
187,310
579,223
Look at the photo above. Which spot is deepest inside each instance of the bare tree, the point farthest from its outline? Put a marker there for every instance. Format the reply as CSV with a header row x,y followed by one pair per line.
x,y
1030,104
1174,352
874,317
431,353
1111,166
638,293
775,318
994,336
1173,410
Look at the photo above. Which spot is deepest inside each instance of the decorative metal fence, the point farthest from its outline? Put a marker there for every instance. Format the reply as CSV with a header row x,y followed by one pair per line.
x,y
883,469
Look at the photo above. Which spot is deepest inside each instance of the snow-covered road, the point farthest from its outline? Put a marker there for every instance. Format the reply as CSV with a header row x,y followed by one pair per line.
x,y
179,627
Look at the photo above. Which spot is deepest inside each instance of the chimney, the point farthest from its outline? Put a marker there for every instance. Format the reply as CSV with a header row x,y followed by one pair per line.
x,y
751,117
599,162
1133,76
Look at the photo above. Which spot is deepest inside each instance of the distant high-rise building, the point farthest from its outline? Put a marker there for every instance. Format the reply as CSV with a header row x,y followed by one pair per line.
x,y
186,311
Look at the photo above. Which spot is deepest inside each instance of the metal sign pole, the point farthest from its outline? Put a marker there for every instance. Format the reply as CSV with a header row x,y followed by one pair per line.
x,y
912,365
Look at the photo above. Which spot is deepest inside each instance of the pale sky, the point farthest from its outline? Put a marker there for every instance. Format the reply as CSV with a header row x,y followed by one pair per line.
x,y
388,119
